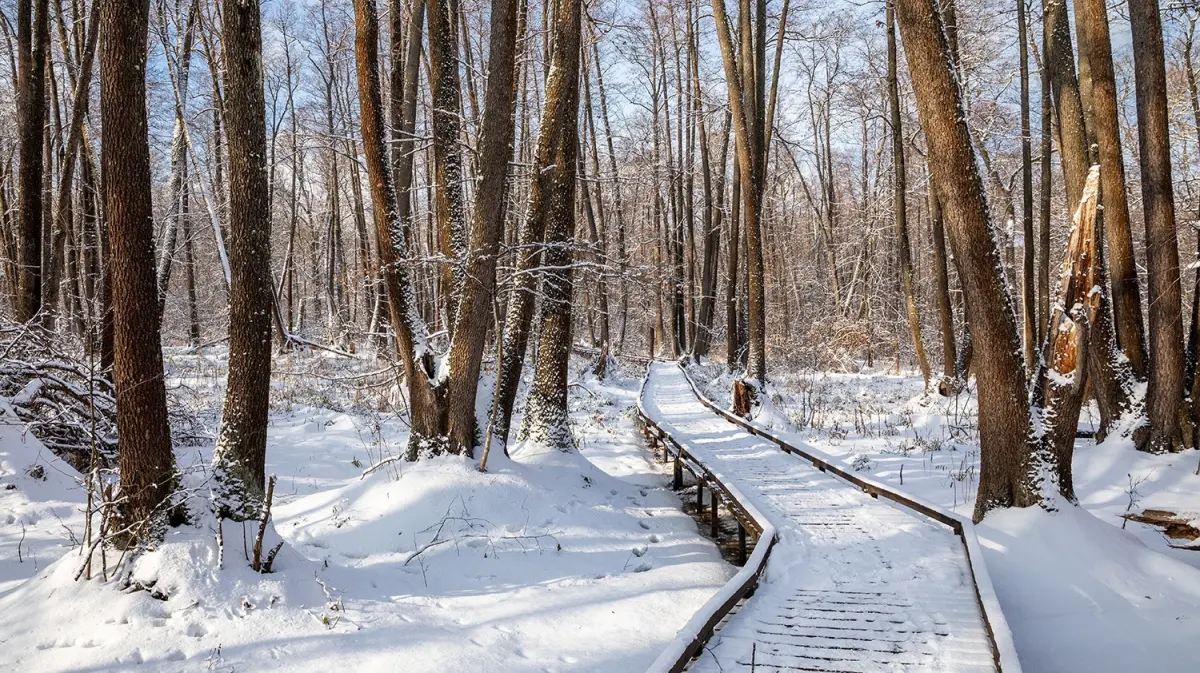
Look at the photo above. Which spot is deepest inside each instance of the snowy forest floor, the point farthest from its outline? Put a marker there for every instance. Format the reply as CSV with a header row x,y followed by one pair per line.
x,y
550,561
1079,593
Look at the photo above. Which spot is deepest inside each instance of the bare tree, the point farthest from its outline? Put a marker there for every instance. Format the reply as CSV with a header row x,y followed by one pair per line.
x,y
900,206
1011,456
546,408
239,461
147,465
1164,397
33,37
487,226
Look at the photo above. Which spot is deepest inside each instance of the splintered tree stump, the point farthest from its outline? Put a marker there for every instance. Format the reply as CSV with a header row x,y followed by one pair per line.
x,y
743,397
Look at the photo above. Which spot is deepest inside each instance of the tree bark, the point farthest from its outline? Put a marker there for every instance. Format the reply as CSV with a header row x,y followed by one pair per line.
x,y
487,227
1164,396
239,461
899,203
446,123
426,392
1010,456
747,122
1029,307
33,37
1091,19
545,418
145,461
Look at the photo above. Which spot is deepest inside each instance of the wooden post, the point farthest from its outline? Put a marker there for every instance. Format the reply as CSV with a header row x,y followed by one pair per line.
x,y
678,474
741,543
714,530
699,497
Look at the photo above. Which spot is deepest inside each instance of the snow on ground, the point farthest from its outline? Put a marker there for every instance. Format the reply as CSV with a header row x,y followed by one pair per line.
x,y
550,561
1079,593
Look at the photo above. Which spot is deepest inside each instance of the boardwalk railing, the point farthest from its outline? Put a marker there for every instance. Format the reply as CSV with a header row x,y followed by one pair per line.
x,y
701,627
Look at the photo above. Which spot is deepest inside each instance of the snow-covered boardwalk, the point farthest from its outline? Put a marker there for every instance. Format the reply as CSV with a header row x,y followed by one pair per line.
x,y
853,584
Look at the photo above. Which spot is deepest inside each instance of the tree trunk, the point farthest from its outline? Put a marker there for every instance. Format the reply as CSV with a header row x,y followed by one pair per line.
x,y
1164,396
487,227
425,393
545,420
446,122
1010,458
550,213
747,123
1091,19
33,37
179,152
146,463
900,209
1029,307
239,461
1072,134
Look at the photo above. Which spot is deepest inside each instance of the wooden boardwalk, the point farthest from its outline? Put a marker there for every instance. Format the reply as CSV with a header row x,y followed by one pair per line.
x,y
853,584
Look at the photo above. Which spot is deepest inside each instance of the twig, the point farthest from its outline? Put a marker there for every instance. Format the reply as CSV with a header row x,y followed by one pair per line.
x,y
256,564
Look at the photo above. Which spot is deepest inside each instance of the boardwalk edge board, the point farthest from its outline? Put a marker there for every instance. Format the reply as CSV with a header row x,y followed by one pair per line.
x,y
688,643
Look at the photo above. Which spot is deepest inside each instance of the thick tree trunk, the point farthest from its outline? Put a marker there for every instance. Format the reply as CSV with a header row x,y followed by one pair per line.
x,y
1010,459
446,123
545,418
146,463
1164,395
425,392
1091,19
33,37
239,461
487,227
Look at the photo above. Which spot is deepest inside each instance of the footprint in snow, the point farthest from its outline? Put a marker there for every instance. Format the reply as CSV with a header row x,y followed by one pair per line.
x,y
644,525
654,539
639,551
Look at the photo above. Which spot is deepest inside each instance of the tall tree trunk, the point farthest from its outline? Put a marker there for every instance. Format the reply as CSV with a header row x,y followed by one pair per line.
x,y
145,461
733,342
446,122
1029,307
33,38
487,227
545,418
239,461
744,98
1091,19
1072,133
425,392
900,208
79,105
1010,459
1045,185
1164,395
182,59
1194,332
